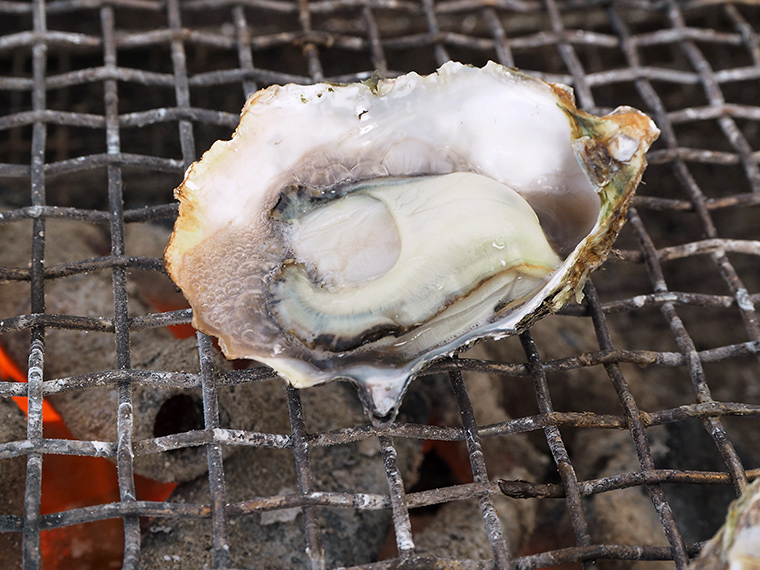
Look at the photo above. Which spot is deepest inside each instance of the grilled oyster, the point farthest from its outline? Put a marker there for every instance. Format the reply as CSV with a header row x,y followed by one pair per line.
x,y
361,231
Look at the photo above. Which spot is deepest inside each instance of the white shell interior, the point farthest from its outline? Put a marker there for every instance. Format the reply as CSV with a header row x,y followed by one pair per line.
x,y
491,122
458,119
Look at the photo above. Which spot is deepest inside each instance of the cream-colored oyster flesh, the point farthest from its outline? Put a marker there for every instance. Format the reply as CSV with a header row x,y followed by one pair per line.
x,y
361,231
423,242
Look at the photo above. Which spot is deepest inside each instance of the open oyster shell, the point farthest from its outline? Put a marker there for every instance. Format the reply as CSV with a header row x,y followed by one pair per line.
x,y
361,231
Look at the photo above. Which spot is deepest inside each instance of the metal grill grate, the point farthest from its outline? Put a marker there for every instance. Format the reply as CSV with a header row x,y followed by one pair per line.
x,y
108,102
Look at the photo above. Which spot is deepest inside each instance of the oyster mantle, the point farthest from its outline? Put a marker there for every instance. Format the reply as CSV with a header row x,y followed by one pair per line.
x,y
315,241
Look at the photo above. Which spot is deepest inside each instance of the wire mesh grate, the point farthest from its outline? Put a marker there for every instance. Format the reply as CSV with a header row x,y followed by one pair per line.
x,y
107,103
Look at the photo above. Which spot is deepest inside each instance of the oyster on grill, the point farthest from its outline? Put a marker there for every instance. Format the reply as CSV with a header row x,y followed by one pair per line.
x,y
361,231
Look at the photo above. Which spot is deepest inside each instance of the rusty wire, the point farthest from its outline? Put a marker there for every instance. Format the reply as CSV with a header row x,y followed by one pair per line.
x,y
545,37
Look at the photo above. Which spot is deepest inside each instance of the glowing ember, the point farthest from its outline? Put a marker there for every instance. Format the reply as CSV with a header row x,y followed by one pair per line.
x,y
70,482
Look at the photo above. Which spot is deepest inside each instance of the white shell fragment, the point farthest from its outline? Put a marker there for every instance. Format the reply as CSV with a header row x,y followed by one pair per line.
x,y
362,231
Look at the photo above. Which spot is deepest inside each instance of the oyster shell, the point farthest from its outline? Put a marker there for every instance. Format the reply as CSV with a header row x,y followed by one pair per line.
x,y
361,231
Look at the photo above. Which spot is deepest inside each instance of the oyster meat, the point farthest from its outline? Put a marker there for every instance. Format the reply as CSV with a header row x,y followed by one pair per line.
x,y
361,231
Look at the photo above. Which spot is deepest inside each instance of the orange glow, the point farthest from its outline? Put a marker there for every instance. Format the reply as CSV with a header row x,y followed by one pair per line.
x,y
9,369
179,331
72,481
97,544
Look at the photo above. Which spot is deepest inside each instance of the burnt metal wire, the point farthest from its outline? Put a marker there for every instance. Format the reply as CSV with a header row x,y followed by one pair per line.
x,y
687,63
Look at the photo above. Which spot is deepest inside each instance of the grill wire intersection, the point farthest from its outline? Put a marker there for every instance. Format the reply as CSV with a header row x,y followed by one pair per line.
x,y
121,96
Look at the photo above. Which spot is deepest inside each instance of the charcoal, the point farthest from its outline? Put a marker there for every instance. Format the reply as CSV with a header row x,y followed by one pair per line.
x,y
275,539
583,389
624,516
90,412
158,411
587,389
459,526
701,509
